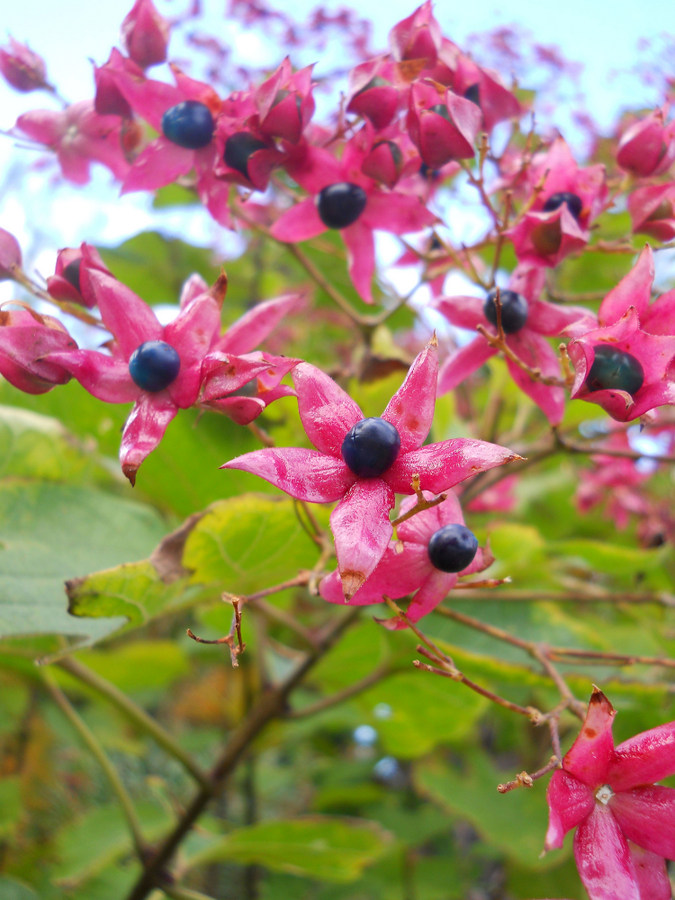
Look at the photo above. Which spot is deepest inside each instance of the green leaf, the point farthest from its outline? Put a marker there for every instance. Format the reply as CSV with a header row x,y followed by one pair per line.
x,y
155,267
50,533
470,791
247,543
98,838
15,890
321,847
10,803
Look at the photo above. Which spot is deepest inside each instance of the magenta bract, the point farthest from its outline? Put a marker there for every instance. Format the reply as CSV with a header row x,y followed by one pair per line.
x,y
625,823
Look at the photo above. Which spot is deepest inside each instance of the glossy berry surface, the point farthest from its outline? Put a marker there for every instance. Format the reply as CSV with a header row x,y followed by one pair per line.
x,y
340,204
370,447
514,310
71,273
154,366
239,148
188,124
615,369
472,93
452,548
573,201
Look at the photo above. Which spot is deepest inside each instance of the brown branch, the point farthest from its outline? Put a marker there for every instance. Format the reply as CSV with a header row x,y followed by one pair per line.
x,y
378,674
270,705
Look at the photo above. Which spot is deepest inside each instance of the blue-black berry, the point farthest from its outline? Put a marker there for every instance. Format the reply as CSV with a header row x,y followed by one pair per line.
x,y
370,447
340,204
573,201
154,366
472,93
239,148
188,124
514,310
71,273
615,369
452,548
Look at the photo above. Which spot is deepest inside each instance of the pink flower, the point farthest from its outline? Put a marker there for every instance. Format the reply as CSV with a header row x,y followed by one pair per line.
x,y
652,210
406,565
625,823
634,345
145,34
285,103
357,206
526,339
28,341
442,125
647,147
161,369
22,69
568,200
371,91
184,116
78,136
366,487
65,283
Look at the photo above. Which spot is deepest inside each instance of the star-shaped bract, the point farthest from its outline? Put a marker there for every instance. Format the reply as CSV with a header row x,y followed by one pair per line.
x,y
78,136
315,169
360,522
406,566
27,342
542,237
631,324
193,335
163,161
625,823
528,343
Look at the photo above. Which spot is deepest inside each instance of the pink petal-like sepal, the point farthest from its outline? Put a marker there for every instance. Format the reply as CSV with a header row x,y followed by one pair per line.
x,y
143,430
10,255
327,412
570,801
590,755
634,289
442,125
361,528
303,474
645,758
646,815
255,325
652,211
603,858
411,409
66,283
417,37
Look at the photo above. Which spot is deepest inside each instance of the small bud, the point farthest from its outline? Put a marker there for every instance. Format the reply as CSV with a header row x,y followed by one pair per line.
x,y
24,70
145,34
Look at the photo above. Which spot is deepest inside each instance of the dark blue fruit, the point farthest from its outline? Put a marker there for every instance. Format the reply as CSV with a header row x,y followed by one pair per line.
x,y
239,148
573,201
615,369
71,273
472,93
371,447
154,365
452,548
340,204
514,310
188,124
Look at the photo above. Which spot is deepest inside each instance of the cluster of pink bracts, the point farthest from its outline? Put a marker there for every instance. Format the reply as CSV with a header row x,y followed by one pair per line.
x,y
411,117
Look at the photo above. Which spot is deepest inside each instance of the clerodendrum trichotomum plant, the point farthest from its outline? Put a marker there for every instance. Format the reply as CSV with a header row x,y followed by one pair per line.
x,y
401,428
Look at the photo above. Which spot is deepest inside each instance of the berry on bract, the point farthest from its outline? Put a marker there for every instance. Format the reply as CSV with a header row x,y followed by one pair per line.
x,y
72,273
239,148
339,205
452,548
188,124
154,366
615,369
573,201
514,310
370,447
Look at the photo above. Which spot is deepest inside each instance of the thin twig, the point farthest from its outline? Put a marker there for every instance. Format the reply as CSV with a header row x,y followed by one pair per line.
x,y
100,756
133,712
378,674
